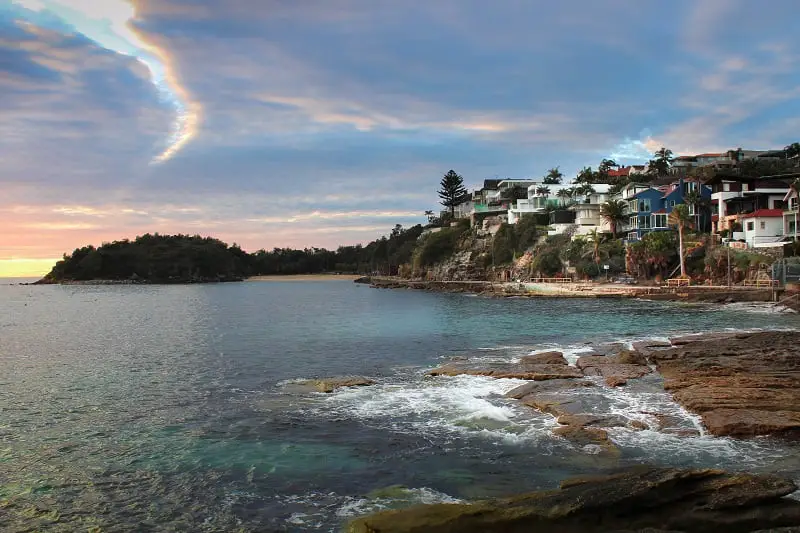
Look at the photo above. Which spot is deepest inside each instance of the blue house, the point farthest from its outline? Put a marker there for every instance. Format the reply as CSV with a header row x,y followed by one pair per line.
x,y
649,207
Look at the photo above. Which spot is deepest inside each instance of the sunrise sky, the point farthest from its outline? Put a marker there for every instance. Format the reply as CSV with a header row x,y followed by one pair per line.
x,y
318,123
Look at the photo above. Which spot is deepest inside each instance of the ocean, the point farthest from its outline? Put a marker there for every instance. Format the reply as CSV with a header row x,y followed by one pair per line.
x,y
175,408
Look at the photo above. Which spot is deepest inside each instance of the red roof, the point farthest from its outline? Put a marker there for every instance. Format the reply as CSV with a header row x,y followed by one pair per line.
x,y
624,171
660,212
765,213
709,155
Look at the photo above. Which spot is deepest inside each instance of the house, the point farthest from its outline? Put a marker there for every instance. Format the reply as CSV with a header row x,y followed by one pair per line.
x,y
561,221
733,196
541,197
790,214
587,211
763,228
649,207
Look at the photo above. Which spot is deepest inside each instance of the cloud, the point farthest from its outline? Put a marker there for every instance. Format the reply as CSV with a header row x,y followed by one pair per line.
x,y
324,123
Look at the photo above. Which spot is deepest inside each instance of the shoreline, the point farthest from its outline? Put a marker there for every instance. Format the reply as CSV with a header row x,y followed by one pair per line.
x,y
305,277
699,293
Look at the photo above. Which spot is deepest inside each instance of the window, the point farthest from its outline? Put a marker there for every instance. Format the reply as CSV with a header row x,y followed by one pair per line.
x,y
644,222
692,209
779,204
763,224
644,205
751,226
726,187
793,203
790,228
634,222
672,203
659,221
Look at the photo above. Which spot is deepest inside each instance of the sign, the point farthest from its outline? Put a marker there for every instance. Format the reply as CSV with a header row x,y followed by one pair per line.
x,y
606,267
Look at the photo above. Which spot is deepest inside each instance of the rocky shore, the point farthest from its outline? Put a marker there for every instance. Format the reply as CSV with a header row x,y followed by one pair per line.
x,y
698,293
639,499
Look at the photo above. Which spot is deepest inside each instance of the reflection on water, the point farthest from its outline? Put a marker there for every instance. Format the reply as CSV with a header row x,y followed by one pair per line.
x,y
161,408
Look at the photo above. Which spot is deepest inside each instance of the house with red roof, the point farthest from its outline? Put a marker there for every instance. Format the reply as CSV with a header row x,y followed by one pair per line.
x,y
763,228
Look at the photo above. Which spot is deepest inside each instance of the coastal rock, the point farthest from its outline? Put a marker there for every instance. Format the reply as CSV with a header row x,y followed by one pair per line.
x,y
740,385
592,420
586,436
616,369
553,385
521,370
331,384
639,499
545,358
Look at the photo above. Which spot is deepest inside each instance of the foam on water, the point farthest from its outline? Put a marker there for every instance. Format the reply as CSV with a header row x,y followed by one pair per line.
x,y
473,404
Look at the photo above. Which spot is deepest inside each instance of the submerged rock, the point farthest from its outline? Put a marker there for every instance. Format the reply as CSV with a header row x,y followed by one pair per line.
x,y
740,385
553,385
332,384
521,370
639,499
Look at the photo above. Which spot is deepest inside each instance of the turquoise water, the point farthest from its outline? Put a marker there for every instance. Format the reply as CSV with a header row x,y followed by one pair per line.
x,y
162,408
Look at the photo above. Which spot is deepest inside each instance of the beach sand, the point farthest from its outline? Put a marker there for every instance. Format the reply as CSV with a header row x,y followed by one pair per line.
x,y
306,277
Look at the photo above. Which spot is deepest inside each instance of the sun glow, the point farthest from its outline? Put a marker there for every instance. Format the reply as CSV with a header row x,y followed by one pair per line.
x,y
108,23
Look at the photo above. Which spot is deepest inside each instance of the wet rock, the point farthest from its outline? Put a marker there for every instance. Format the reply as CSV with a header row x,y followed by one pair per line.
x,y
585,436
614,368
546,358
592,420
741,385
630,357
639,499
638,424
332,384
553,385
616,381
521,370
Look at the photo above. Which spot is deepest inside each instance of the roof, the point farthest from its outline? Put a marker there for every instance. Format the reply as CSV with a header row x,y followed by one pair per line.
x,y
765,213
685,158
660,212
491,183
623,171
709,155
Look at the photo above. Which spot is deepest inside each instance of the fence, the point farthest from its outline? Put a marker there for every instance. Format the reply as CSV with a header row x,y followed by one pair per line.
x,y
551,280
786,271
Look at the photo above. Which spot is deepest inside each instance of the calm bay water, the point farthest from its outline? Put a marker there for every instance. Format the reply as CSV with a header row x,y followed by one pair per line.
x,y
163,408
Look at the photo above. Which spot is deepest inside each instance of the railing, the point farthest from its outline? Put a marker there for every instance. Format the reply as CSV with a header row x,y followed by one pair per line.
x,y
678,282
762,283
551,280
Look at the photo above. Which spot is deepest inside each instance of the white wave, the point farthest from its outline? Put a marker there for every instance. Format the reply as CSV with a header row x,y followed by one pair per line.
x,y
761,308
471,404
361,506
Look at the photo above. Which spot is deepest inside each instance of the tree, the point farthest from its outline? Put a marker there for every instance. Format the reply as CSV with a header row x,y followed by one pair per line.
x,y
596,239
613,212
553,177
517,192
564,194
606,165
680,218
543,190
452,191
586,175
792,150
661,162
584,190
694,199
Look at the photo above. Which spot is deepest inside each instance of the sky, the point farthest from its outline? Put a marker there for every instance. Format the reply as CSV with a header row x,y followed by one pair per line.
x,y
273,123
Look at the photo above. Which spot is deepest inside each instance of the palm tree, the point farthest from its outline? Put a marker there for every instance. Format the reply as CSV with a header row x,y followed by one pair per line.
x,y
596,239
564,194
584,190
613,212
680,218
693,199
543,190
553,176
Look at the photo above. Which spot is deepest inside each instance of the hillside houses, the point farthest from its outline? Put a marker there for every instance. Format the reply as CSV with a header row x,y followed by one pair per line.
x,y
727,194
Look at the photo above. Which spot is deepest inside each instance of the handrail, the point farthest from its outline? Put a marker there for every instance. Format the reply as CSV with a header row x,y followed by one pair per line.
x,y
762,283
678,282
551,280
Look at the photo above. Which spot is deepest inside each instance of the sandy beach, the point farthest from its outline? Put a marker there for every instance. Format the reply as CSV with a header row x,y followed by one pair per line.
x,y
306,277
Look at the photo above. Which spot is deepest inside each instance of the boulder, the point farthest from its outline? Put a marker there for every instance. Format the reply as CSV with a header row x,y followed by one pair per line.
x,y
331,384
546,358
740,385
521,370
642,498
549,386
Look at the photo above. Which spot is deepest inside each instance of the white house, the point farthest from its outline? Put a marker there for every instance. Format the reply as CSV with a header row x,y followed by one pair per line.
x,y
540,195
763,227
790,215
587,212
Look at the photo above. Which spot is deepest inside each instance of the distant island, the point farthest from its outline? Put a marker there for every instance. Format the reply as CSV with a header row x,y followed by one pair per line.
x,y
154,258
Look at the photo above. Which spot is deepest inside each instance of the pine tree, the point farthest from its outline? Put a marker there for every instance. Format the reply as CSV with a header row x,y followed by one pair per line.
x,y
452,191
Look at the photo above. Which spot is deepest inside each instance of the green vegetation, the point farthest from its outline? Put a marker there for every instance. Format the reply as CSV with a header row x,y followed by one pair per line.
x,y
155,258
192,259
452,191
439,245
